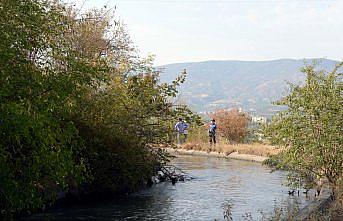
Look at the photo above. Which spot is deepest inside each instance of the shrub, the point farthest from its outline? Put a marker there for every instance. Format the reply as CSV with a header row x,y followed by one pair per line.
x,y
311,128
232,124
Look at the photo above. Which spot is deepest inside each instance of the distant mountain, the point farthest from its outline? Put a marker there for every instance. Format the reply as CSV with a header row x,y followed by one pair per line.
x,y
251,85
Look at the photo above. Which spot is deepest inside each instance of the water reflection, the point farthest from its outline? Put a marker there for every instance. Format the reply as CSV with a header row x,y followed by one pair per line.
x,y
249,187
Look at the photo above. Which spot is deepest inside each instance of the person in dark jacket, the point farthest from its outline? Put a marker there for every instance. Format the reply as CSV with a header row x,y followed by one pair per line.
x,y
212,131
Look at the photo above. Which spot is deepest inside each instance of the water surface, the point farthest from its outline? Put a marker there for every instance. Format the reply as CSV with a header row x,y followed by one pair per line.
x,y
249,187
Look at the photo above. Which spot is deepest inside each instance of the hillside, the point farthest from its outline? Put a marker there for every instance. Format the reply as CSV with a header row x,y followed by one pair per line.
x,y
251,85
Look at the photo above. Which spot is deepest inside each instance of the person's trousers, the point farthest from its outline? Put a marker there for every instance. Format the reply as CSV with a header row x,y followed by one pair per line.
x,y
212,138
181,138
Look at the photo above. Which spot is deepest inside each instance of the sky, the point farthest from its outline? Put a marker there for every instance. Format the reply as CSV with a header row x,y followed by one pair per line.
x,y
197,30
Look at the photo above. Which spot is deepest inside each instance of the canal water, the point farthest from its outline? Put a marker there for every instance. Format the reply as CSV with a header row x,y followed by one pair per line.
x,y
248,189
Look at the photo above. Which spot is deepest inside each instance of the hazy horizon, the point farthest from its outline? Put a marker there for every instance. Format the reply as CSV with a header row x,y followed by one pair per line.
x,y
266,60
201,30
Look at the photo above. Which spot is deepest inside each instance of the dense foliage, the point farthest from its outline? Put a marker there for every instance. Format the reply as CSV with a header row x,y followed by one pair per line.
x,y
311,128
77,106
232,124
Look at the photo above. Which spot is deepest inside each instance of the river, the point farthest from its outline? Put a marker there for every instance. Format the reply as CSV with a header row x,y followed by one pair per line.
x,y
247,187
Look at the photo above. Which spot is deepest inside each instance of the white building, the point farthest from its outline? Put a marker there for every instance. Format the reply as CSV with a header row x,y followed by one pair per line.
x,y
259,119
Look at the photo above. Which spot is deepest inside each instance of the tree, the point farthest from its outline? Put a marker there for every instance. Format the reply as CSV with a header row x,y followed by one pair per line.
x,y
122,120
77,105
41,76
232,124
311,128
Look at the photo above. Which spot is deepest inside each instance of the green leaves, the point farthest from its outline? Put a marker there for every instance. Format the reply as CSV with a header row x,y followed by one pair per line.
x,y
38,82
311,128
77,105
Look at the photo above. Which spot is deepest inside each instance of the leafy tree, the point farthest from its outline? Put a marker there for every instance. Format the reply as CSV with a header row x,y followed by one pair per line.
x,y
311,128
41,77
129,114
77,105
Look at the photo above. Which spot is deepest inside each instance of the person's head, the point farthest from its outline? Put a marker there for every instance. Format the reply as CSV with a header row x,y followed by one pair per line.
x,y
213,121
180,119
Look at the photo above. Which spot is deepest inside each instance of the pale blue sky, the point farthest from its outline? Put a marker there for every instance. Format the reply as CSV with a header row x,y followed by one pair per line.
x,y
198,30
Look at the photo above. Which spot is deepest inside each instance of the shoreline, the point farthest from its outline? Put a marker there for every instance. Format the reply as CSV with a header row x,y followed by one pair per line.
x,y
322,203
233,155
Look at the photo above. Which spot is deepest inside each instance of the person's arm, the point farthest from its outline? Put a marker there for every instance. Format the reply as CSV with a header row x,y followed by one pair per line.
x,y
176,127
215,128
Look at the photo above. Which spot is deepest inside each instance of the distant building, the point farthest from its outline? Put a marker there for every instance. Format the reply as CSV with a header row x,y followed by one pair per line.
x,y
259,119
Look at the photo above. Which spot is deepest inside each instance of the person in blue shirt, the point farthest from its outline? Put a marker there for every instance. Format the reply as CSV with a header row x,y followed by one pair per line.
x,y
181,128
212,131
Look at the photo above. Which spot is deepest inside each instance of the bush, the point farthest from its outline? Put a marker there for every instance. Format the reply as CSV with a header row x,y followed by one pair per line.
x,y
232,124
311,128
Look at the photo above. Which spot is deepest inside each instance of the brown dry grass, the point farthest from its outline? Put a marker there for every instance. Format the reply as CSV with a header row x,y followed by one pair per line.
x,y
252,149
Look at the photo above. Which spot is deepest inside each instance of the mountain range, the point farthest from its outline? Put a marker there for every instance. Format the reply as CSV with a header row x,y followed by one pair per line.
x,y
250,85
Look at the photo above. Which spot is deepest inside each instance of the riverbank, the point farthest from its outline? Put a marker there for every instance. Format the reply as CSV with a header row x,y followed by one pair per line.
x,y
256,149
218,181
253,152
322,207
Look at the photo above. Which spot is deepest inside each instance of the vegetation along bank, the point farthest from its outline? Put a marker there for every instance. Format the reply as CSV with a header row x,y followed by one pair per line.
x,y
79,111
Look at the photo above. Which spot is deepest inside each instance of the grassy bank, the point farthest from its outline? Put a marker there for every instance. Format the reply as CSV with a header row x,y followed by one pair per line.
x,y
251,149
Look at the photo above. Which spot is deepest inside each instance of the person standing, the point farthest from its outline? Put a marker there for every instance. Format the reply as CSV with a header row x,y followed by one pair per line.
x,y
212,131
181,128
